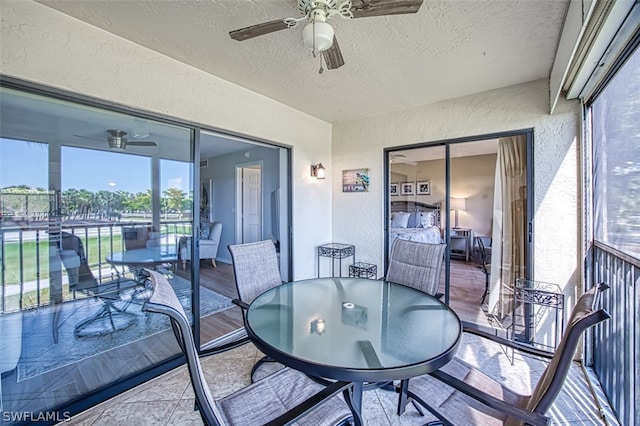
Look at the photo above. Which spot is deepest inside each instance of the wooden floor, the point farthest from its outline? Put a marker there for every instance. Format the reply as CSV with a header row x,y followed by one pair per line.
x,y
467,287
218,279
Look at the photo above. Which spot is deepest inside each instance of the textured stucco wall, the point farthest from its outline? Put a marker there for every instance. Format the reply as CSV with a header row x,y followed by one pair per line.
x,y
358,218
44,46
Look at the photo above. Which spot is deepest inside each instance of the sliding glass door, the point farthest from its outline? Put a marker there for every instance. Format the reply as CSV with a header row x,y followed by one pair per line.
x,y
92,196
480,190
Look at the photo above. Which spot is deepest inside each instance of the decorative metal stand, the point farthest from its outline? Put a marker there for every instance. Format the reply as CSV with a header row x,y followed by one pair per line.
x,y
363,270
336,251
534,303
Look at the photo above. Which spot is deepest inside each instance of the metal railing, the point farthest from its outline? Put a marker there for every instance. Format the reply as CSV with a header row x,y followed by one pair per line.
x,y
24,258
616,343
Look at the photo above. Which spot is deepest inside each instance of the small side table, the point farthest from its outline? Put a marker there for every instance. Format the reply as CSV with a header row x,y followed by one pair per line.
x,y
467,235
363,270
336,251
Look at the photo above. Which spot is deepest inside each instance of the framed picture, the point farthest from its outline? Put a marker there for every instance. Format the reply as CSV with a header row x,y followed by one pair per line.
x,y
205,201
393,189
406,188
424,188
356,180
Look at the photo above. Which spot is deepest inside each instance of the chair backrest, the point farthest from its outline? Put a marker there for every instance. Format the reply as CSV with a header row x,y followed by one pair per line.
x,y
216,231
135,237
76,265
583,316
416,265
484,256
163,300
256,268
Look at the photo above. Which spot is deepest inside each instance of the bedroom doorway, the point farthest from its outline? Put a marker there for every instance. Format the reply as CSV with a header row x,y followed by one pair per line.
x,y
476,195
248,203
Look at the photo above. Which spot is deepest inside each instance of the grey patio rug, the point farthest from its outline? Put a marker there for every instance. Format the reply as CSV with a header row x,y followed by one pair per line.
x,y
40,354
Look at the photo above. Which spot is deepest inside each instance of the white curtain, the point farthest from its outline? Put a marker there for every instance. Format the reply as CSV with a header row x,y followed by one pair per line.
x,y
509,223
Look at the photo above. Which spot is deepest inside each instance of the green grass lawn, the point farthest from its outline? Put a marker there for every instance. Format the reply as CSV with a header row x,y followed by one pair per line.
x,y
35,257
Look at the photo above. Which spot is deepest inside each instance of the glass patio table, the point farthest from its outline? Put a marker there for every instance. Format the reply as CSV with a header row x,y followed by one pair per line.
x,y
144,256
354,330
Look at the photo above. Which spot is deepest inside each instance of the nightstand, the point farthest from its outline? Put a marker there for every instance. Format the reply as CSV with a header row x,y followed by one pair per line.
x,y
465,234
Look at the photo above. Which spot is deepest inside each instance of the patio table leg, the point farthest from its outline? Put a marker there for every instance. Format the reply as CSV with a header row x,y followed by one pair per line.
x,y
354,401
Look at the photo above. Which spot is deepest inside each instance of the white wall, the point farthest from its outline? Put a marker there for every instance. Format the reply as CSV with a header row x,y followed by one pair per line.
x,y
50,48
358,218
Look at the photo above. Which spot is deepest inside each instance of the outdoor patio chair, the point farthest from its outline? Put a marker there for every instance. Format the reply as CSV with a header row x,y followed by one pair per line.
x,y
459,394
416,265
109,318
284,397
256,270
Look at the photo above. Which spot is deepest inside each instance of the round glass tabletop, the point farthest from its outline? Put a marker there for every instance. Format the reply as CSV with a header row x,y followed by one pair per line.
x,y
354,329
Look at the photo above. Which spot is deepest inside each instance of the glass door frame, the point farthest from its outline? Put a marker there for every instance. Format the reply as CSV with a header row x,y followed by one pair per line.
x,y
529,136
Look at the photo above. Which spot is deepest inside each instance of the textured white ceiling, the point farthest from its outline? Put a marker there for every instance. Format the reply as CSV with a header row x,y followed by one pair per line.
x,y
447,50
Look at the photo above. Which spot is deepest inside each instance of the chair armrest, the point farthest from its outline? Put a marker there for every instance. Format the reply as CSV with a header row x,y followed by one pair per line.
x,y
223,348
473,329
309,404
530,417
240,303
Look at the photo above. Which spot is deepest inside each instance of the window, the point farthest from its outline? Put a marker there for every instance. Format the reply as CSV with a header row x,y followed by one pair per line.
x,y
615,121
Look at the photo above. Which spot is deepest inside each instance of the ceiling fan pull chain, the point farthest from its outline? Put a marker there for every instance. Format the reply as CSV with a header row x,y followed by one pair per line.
x,y
321,70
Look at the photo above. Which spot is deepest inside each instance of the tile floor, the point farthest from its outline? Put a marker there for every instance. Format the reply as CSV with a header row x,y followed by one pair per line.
x,y
168,399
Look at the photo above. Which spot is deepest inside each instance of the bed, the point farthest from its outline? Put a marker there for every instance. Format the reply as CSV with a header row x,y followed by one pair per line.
x,y
415,221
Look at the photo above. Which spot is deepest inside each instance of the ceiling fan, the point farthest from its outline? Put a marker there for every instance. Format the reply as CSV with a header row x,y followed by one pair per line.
x,y
117,139
401,158
318,35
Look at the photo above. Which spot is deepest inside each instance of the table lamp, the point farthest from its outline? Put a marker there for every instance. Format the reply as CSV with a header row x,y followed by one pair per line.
x,y
458,204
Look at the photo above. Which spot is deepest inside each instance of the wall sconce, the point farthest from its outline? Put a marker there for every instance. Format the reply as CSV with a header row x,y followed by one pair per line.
x,y
317,326
458,204
317,171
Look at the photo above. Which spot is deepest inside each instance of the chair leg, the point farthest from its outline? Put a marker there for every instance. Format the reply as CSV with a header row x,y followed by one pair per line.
x,y
213,263
184,265
486,288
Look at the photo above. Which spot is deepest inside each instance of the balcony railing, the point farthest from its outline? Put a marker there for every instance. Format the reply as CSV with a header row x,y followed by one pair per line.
x,y
616,345
24,258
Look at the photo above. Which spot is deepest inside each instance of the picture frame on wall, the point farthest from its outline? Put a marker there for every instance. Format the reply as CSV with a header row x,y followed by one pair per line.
x,y
424,188
206,207
356,180
406,188
393,189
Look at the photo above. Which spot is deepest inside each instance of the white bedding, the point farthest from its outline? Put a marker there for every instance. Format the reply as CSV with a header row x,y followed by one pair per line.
x,y
429,235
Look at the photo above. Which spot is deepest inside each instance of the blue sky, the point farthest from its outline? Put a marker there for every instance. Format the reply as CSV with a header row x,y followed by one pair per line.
x,y
23,163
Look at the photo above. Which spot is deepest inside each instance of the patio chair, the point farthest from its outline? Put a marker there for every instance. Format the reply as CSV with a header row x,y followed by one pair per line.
x,y
416,265
485,265
256,270
284,397
109,318
459,394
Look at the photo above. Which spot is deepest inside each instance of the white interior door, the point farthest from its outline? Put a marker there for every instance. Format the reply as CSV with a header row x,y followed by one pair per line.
x,y
251,204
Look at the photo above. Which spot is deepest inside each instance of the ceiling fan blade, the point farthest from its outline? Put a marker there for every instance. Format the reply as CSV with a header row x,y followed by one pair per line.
x,y
141,143
258,30
333,56
87,137
367,8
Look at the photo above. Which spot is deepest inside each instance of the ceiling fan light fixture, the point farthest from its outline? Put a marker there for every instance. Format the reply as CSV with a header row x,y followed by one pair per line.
x,y
116,143
318,35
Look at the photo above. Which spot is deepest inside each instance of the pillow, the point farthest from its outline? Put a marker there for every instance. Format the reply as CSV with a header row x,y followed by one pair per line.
x,y
414,220
205,230
400,220
427,220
